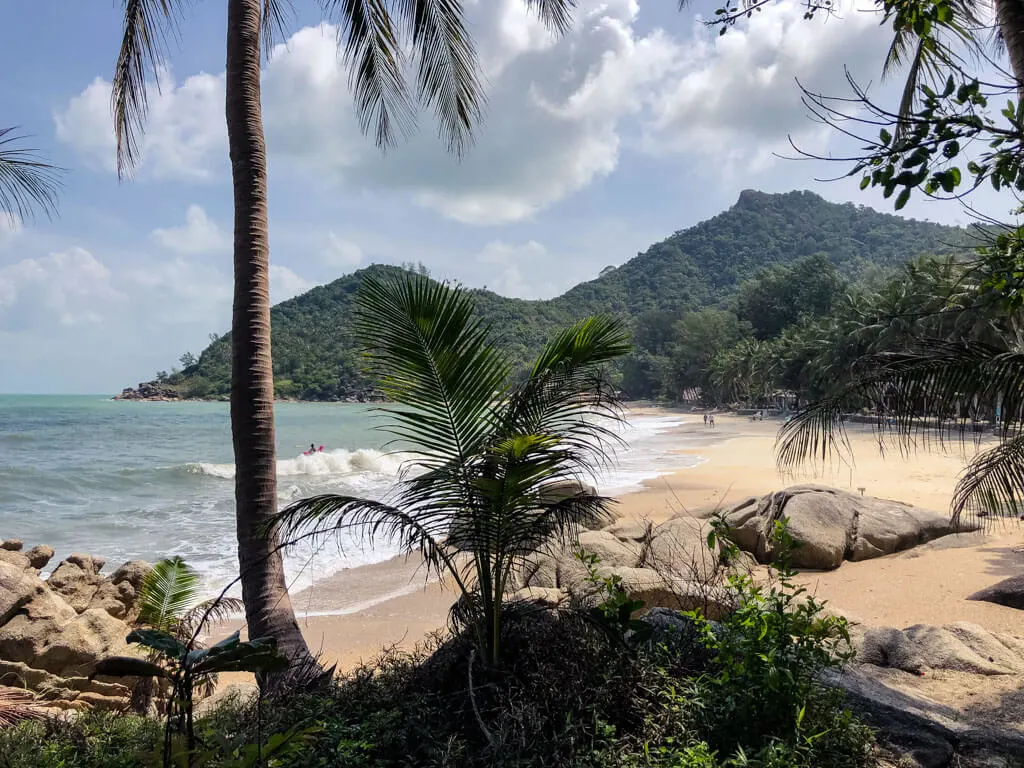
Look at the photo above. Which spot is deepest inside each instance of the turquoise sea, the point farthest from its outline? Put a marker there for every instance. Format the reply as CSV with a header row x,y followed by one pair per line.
x,y
127,480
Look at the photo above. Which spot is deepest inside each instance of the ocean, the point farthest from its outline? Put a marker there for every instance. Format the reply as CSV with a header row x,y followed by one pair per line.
x,y
139,480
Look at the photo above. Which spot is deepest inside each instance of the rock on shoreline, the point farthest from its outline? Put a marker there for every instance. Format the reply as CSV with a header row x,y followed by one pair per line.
x,y
149,390
53,631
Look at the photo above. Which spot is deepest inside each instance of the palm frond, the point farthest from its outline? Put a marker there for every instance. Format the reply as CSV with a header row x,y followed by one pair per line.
x,y
372,50
208,612
321,516
277,14
147,26
447,69
556,14
18,705
434,358
814,433
993,483
568,394
168,590
27,182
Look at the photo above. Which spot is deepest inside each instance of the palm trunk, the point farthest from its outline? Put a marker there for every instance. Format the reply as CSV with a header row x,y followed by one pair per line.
x,y
268,609
1010,16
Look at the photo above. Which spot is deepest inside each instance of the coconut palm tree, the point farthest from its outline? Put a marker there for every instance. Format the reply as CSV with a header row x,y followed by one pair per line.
x,y
375,37
498,467
27,182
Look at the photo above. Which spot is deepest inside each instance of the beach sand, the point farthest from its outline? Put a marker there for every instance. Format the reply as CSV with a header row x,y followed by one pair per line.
x,y
926,585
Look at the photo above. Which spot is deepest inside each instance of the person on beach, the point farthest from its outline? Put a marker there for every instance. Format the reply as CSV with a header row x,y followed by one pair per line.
x,y
705,419
711,420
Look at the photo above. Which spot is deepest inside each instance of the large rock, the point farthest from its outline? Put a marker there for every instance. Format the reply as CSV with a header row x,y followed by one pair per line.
x,y
77,579
1008,592
39,556
656,590
833,525
17,588
679,547
960,647
609,549
121,594
53,632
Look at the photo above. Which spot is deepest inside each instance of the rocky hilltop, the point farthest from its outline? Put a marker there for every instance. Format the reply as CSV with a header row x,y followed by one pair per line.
x,y
54,630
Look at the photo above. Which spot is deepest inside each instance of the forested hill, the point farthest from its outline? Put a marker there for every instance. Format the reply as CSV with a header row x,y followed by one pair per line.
x,y
314,355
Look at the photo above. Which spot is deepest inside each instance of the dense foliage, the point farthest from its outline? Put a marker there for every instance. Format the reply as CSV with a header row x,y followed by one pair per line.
x,y
743,692
702,267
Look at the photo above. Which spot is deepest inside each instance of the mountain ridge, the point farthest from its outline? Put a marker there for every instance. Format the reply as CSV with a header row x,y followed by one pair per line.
x,y
700,266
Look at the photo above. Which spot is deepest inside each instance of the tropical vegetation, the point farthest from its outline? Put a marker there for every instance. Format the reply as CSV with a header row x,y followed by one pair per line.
x,y
374,39
704,267
572,690
498,466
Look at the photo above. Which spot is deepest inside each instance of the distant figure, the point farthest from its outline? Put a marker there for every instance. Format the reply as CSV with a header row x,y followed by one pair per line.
x,y
705,419
311,451
711,420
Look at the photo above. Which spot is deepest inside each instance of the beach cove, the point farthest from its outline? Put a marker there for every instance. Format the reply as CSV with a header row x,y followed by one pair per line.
x,y
350,616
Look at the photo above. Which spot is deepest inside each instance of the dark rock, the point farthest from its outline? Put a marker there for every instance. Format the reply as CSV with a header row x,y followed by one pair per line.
x,y
12,545
1008,592
935,736
39,556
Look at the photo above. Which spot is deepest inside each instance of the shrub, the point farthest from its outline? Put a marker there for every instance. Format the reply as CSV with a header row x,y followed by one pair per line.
x,y
91,740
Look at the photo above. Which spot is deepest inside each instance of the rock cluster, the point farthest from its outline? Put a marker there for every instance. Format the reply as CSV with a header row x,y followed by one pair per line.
x,y
148,390
833,525
53,631
667,566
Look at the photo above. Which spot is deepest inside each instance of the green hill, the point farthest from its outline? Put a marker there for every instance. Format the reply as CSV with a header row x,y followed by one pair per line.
x,y
314,356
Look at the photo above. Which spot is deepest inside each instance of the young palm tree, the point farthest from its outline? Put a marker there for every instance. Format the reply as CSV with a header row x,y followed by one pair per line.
x,y
27,182
375,36
498,469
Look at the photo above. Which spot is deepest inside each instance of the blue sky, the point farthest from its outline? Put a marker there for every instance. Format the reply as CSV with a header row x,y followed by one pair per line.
x,y
638,123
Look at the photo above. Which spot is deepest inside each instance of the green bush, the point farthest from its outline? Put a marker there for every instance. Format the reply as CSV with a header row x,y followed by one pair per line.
x,y
91,740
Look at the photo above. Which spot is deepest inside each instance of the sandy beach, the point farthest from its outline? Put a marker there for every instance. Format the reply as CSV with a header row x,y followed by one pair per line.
x,y
349,617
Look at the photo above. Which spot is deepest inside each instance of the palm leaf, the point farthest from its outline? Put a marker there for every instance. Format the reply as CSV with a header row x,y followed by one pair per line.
x,y
208,612
276,17
556,14
420,529
447,67
568,395
17,706
373,54
434,358
993,484
27,182
931,394
168,591
147,26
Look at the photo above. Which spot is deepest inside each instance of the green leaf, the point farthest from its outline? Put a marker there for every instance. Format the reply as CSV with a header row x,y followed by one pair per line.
x,y
159,641
885,137
127,666
168,590
902,199
865,182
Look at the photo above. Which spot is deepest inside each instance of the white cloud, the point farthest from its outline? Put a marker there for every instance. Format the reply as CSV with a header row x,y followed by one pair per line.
x,y
285,284
10,227
185,136
511,263
341,253
199,235
62,289
738,100
559,111
544,137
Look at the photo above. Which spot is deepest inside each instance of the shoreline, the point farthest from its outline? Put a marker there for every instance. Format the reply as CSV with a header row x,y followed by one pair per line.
x,y
353,614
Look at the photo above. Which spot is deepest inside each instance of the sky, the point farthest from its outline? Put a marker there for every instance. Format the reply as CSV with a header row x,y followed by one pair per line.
x,y
637,123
